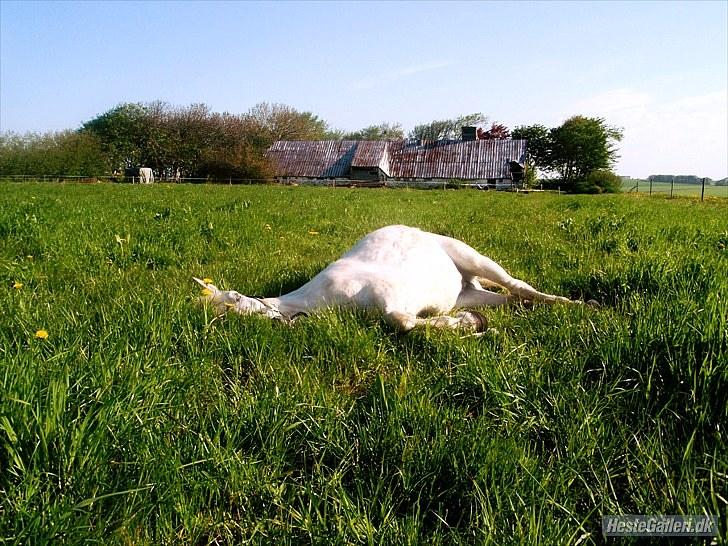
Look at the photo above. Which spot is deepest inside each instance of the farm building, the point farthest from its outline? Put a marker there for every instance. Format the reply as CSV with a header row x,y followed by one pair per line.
x,y
491,161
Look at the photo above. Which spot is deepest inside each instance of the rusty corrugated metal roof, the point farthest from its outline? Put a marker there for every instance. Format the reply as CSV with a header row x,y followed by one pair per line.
x,y
474,160
372,153
316,158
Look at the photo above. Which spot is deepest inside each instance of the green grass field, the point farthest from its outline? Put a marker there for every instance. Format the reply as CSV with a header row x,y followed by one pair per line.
x,y
679,190
140,420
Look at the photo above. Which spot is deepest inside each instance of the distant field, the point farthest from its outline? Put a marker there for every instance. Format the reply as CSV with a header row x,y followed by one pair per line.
x,y
662,188
140,420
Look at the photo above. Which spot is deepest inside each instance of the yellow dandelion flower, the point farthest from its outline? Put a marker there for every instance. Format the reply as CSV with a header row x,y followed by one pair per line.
x,y
206,292
41,334
18,285
312,232
207,280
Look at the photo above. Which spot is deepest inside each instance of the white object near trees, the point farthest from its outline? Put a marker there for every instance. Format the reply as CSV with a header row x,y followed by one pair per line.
x,y
146,175
412,277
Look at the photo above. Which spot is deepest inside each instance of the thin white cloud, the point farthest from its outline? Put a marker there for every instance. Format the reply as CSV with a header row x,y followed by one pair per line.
x,y
687,135
614,102
397,74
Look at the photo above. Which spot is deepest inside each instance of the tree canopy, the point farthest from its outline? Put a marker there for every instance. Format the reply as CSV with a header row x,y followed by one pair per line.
x,y
539,144
197,142
497,131
273,122
573,150
66,153
194,141
582,145
447,129
383,131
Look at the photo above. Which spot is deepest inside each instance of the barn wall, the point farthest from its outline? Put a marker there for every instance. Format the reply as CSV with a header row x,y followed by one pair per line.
x,y
366,173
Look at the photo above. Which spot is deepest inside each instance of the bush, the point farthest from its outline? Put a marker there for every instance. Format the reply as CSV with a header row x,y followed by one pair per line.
x,y
52,154
599,181
530,180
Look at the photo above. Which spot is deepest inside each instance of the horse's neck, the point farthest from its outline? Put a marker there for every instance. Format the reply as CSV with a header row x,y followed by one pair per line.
x,y
288,305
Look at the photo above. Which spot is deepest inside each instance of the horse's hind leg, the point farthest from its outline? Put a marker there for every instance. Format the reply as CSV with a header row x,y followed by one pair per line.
x,y
473,297
472,264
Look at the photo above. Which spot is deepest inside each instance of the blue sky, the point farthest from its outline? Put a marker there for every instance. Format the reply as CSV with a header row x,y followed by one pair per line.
x,y
659,70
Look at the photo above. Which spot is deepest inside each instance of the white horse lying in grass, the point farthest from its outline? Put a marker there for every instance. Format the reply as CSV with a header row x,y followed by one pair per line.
x,y
412,277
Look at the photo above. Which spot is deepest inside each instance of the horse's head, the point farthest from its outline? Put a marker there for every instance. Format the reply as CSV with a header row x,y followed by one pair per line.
x,y
230,300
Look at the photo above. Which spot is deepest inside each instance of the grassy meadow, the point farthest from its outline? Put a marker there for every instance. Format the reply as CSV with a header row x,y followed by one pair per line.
x,y
139,419
678,189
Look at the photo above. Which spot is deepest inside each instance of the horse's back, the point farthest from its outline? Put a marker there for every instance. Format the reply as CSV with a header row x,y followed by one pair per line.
x,y
398,266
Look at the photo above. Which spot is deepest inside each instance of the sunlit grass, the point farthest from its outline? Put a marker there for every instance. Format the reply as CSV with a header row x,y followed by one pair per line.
x,y
663,189
137,419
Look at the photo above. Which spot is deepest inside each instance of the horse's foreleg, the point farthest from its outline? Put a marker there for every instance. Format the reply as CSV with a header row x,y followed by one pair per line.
x,y
468,321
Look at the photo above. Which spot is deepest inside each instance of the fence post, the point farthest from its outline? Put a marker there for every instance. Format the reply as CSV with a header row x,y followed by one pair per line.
x,y
702,191
650,186
638,185
672,185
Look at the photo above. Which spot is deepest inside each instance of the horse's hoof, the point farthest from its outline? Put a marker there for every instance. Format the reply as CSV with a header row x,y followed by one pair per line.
x,y
473,321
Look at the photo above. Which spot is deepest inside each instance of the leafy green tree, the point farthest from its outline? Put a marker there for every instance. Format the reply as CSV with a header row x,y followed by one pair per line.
x,y
578,147
273,122
538,146
194,141
335,134
80,154
383,131
52,154
12,156
240,160
530,178
447,129
582,145
191,132
123,132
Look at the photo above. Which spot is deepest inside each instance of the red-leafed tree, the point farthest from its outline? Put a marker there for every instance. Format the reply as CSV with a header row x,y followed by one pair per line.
x,y
497,131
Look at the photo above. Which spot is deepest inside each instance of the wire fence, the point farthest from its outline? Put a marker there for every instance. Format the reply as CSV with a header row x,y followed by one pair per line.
x,y
506,185
665,189
133,179
675,189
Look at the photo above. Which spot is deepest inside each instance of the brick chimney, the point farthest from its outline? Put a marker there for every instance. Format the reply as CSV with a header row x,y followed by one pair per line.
x,y
469,133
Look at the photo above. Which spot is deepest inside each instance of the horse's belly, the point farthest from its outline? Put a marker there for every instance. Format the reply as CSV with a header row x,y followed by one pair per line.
x,y
413,287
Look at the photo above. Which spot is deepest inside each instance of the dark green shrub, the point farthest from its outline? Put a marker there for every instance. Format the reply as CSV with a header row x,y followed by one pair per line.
x,y
599,181
530,180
